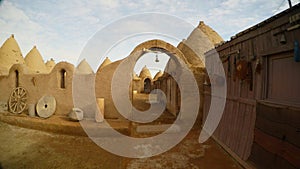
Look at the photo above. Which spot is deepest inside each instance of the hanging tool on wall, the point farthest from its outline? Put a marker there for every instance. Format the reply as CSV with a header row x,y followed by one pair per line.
x,y
242,69
253,56
296,51
227,59
229,67
257,67
234,68
250,75
244,72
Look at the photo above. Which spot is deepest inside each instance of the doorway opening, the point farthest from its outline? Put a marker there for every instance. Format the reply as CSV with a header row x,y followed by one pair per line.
x,y
147,85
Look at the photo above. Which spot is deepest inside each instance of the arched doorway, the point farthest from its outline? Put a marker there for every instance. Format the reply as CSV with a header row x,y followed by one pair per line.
x,y
174,67
147,85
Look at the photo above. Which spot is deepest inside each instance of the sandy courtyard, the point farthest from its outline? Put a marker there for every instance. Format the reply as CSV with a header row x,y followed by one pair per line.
x,y
27,148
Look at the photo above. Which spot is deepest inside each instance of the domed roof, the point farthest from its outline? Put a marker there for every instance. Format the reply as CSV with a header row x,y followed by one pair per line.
x,y
84,68
171,66
135,76
202,39
213,36
145,73
35,62
50,64
10,53
105,62
158,75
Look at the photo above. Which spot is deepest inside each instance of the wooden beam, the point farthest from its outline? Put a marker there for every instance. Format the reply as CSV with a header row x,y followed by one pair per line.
x,y
279,147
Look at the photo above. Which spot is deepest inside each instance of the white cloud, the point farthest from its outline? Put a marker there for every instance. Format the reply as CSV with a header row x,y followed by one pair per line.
x,y
230,4
58,35
232,16
111,4
61,28
15,21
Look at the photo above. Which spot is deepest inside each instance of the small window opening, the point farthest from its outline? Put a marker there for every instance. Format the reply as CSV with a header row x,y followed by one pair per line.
x,y
63,75
17,78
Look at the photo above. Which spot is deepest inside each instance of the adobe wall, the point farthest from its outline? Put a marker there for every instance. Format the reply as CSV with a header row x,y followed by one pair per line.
x,y
170,87
39,85
84,94
103,89
156,43
138,85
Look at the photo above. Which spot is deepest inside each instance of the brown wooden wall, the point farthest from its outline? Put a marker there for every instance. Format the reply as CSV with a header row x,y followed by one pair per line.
x,y
272,75
236,126
277,137
282,69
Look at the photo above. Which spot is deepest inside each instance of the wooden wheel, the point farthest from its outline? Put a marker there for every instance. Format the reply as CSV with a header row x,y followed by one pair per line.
x,y
17,100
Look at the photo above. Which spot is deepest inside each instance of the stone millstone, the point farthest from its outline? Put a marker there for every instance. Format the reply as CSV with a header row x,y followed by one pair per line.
x,y
46,106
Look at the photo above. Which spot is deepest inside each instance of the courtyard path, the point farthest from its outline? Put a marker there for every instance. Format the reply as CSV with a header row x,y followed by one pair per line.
x,y
34,149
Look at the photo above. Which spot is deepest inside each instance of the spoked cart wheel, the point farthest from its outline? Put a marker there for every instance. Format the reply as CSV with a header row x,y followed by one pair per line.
x,y
17,100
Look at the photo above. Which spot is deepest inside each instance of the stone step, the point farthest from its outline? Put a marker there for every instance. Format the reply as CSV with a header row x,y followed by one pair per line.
x,y
157,128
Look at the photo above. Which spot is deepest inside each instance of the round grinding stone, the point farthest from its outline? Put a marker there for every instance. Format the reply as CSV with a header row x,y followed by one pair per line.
x,y
46,106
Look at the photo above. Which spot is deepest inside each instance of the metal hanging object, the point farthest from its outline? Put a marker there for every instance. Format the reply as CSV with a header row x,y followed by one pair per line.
x,y
241,69
156,58
17,100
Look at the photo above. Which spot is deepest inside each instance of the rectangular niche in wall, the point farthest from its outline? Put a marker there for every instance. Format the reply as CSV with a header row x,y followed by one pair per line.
x,y
17,78
63,75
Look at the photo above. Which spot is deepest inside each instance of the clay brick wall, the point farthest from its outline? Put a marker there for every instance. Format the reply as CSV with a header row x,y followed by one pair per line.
x,y
38,85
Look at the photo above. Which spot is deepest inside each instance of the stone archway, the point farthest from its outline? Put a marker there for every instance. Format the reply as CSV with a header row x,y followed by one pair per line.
x,y
116,73
174,67
176,56
160,45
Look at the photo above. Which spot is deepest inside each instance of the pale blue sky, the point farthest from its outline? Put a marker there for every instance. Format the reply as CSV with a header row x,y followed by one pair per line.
x,y
60,29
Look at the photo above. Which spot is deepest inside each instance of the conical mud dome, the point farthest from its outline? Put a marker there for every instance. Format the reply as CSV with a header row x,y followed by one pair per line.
x,y
105,63
84,68
50,64
145,72
10,54
34,61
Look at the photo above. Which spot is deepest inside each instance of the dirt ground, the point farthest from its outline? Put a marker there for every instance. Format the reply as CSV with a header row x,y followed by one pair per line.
x,y
34,149
27,148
